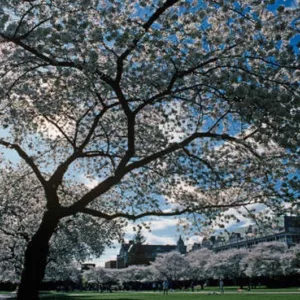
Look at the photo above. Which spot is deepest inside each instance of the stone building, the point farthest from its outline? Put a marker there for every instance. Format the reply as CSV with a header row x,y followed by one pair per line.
x,y
289,234
111,264
87,266
137,253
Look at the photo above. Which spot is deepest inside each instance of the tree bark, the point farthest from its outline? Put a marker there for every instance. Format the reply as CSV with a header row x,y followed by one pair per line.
x,y
36,258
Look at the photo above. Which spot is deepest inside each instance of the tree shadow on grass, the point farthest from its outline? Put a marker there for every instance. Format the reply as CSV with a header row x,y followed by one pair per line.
x,y
87,297
46,296
100,298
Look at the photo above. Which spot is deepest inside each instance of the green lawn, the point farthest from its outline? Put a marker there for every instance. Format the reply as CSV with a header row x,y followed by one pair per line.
x,y
176,296
256,290
230,294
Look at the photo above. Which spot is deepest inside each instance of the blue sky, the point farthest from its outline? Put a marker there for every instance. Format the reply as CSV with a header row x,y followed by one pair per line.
x,y
288,3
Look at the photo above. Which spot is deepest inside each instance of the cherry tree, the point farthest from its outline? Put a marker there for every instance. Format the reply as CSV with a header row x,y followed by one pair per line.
x,y
296,259
171,266
198,265
288,263
266,259
163,108
67,273
100,276
228,264
136,273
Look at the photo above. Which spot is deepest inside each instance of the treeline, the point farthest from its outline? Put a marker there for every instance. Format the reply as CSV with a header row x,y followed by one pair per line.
x,y
265,263
271,264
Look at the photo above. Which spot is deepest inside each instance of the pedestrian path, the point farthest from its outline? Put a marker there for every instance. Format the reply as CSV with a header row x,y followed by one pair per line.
x,y
7,296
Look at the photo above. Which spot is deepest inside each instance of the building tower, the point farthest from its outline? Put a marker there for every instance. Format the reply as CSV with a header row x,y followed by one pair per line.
x,y
180,246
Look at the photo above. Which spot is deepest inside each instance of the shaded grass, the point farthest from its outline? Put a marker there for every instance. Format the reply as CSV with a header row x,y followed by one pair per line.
x,y
208,294
173,296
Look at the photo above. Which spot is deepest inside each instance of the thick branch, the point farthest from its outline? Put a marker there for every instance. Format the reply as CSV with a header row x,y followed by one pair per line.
x,y
57,177
133,217
100,189
99,214
130,127
158,13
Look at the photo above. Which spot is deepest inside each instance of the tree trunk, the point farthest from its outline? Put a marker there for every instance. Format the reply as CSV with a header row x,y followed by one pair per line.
x,y
36,258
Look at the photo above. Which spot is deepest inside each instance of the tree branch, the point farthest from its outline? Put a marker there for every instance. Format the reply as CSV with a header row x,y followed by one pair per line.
x,y
106,184
27,159
205,162
133,217
180,145
120,61
24,75
180,75
24,36
54,62
96,213
146,26
22,19
55,124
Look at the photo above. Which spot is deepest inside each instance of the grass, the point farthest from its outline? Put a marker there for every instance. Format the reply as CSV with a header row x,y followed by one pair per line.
x,y
255,290
231,293
174,296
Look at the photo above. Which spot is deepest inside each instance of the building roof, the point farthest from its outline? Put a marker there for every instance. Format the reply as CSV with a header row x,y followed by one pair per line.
x,y
154,248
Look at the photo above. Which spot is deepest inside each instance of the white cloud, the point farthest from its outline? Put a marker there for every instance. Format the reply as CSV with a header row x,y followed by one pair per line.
x,y
163,223
157,240
240,215
89,183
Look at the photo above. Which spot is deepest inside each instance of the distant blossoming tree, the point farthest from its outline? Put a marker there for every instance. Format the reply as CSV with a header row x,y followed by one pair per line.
x,y
160,108
199,265
171,266
296,259
100,277
228,264
139,273
70,272
266,259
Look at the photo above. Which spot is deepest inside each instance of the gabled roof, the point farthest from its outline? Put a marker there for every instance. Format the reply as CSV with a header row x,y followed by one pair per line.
x,y
154,248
